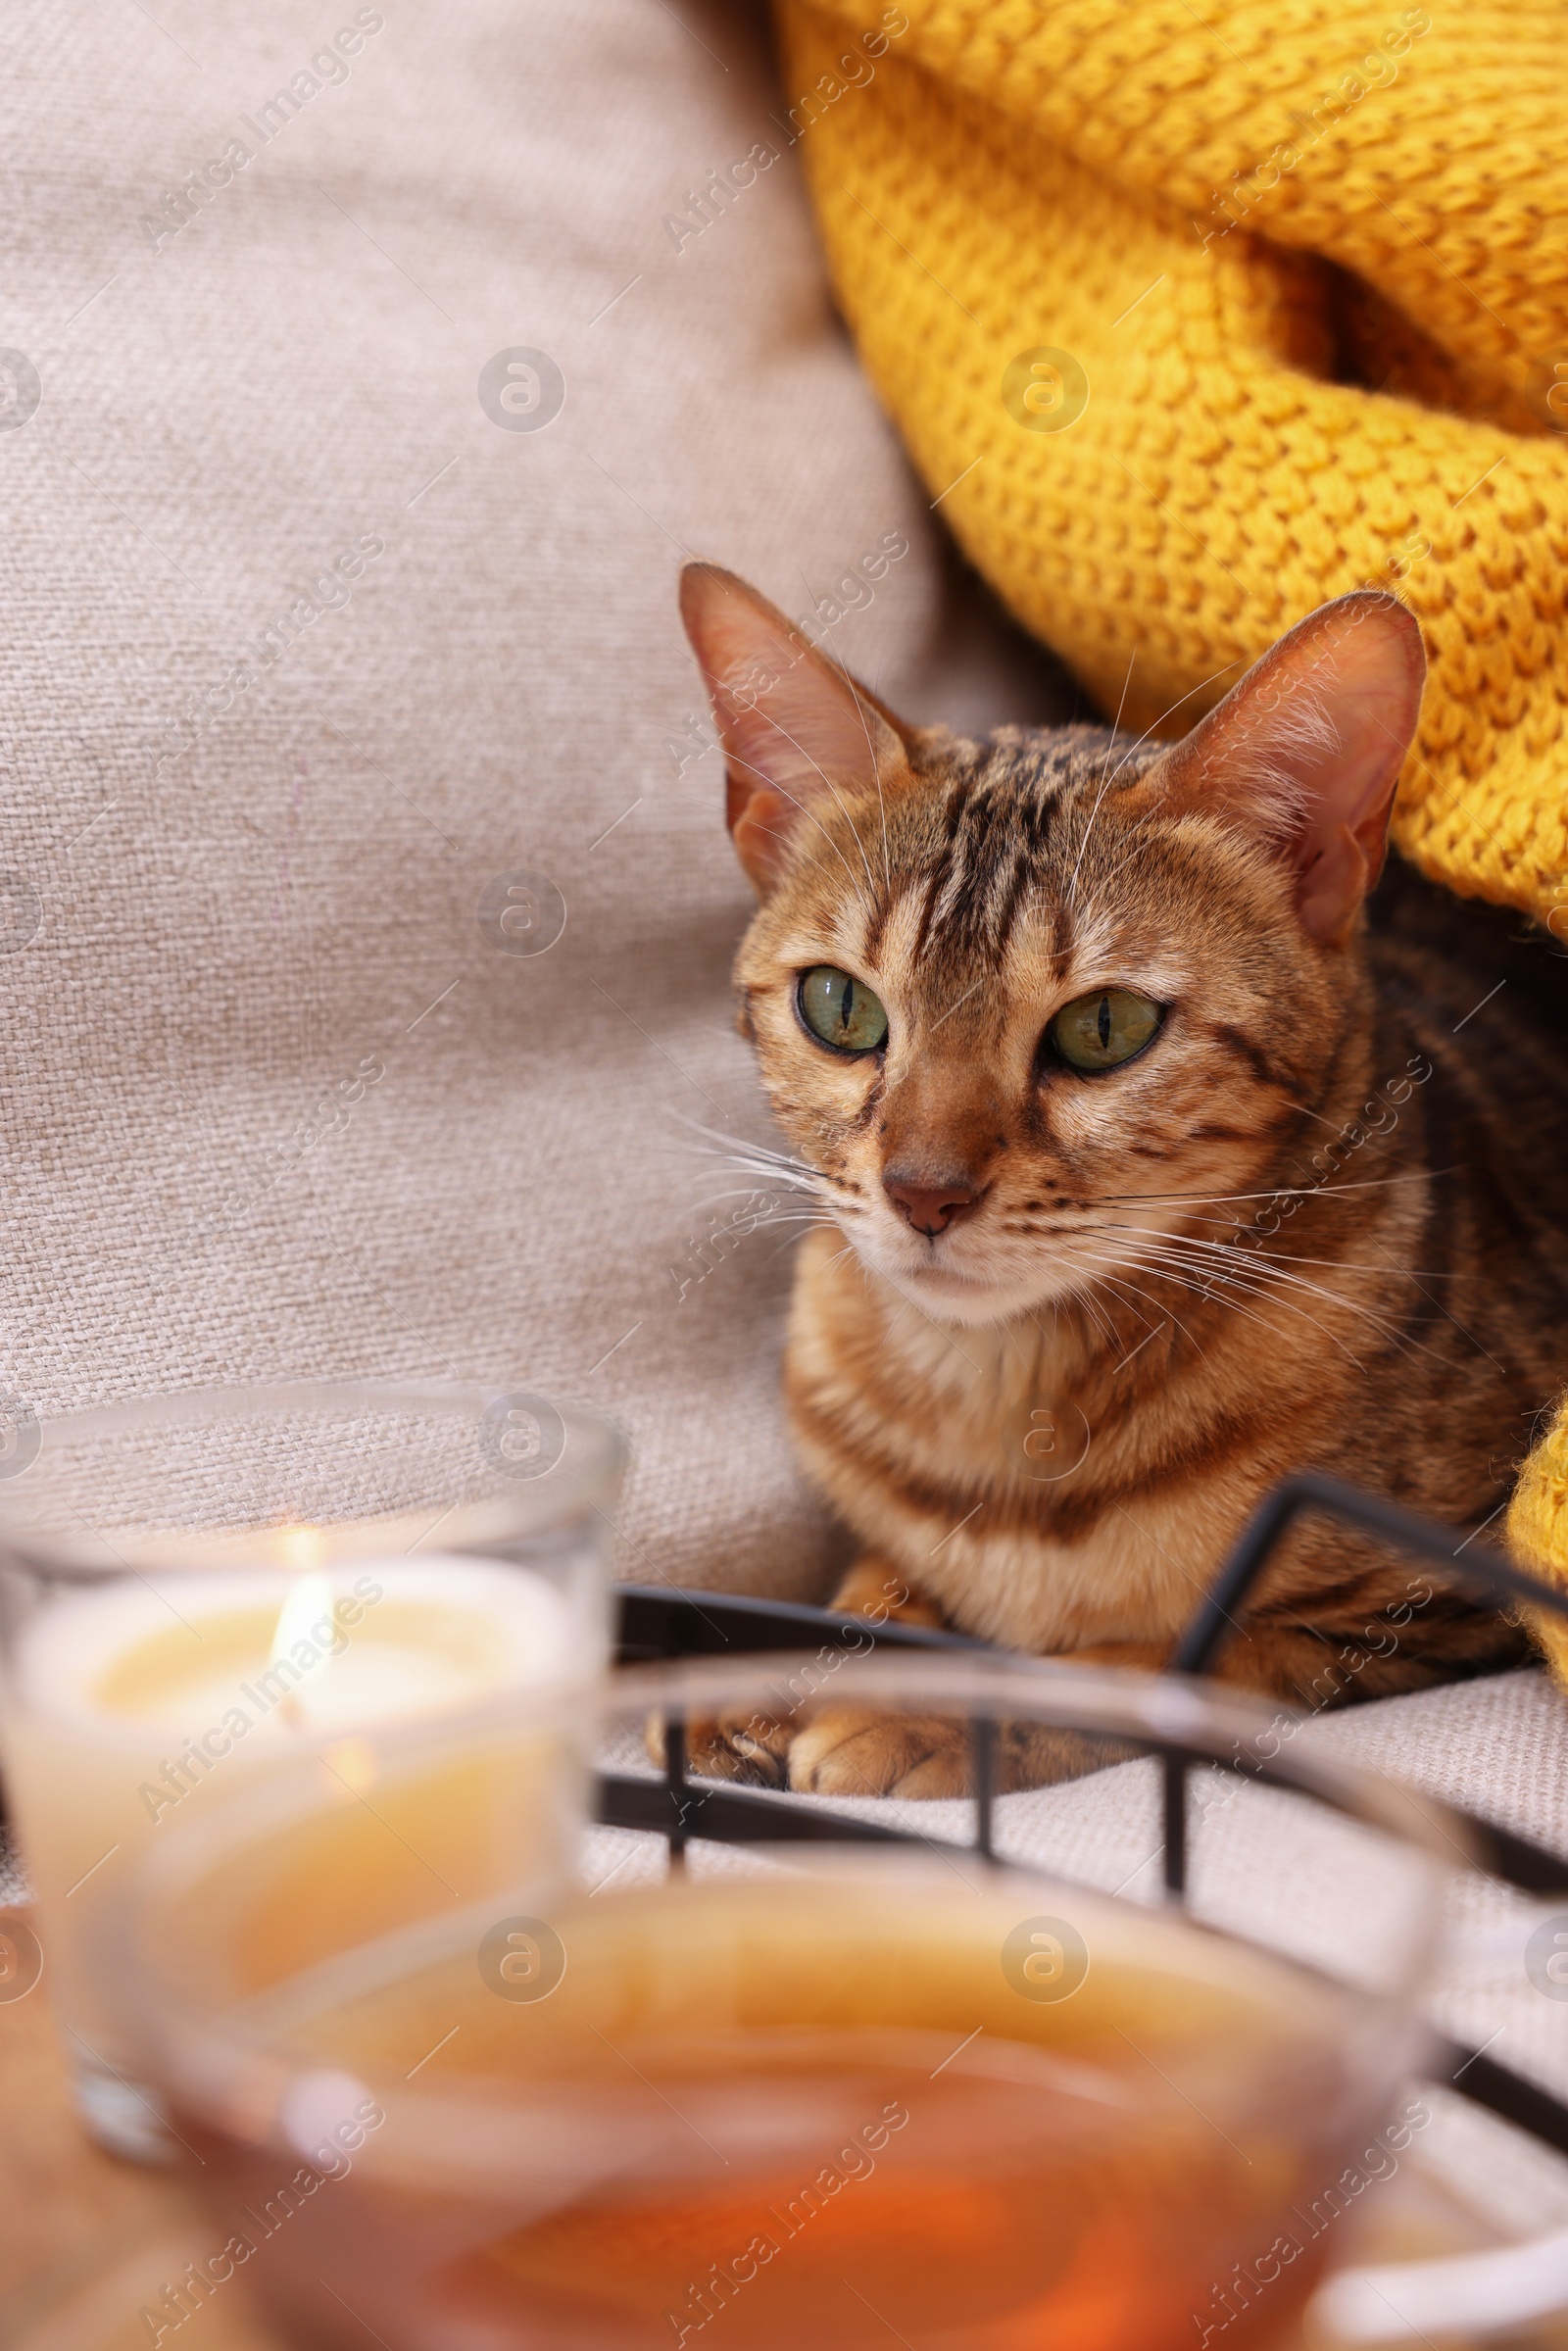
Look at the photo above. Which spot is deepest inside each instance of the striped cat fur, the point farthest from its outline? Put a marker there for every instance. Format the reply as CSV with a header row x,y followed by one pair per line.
x,y
1056,1330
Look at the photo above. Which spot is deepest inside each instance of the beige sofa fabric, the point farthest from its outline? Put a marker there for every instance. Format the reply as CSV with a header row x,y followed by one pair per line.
x,y
309,650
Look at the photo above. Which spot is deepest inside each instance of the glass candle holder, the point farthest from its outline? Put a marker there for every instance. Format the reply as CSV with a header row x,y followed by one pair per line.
x,y
199,1591
820,2085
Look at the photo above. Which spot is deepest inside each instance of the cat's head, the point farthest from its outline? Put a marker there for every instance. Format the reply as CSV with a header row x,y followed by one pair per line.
x,y
1039,1011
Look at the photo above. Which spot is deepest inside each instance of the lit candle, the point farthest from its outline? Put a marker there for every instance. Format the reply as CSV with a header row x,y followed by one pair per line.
x,y
132,1705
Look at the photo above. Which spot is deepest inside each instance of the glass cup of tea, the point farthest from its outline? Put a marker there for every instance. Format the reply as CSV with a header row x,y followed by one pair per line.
x,y
198,1591
831,2075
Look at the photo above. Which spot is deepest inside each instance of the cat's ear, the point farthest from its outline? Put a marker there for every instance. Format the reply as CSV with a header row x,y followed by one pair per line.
x,y
798,733
1306,752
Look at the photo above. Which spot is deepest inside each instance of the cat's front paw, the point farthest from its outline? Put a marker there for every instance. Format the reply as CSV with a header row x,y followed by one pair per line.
x,y
846,1751
743,1745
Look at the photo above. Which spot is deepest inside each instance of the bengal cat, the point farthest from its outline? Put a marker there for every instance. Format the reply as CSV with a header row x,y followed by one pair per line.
x,y
1144,1169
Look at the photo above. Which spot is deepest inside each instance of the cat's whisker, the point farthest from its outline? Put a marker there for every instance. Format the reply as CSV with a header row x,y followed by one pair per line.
x,y
1128,1290
1243,1240
1170,713
1125,1294
1225,1224
1096,1313
757,1188
774,1163
1236,1270
1115,1199
1184,1281
772,1171
1075,1253
743,1192
1092,1307
753,1150
1218,1290
1227,1252
1170,1315
739,1151
1263,1270
1253,1247
1141,1294
1216,1260
826,1226
1255,1253
777,1209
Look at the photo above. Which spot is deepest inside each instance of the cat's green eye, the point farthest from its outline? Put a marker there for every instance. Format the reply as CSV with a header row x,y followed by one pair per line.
x,y
1099,1031
841,1010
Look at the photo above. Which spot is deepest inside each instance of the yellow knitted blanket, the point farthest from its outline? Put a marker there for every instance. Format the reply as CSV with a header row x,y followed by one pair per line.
x,y
1196,313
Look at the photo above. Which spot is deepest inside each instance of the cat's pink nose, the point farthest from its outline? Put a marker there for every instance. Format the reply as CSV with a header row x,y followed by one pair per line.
x,y
930,1207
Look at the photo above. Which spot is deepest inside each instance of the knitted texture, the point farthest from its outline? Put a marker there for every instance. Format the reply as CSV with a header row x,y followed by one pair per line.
x,y
1538,1531
1193,318
1027,176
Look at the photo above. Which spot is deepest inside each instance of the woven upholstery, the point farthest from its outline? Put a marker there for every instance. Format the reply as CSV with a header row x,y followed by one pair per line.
x,y
277,1105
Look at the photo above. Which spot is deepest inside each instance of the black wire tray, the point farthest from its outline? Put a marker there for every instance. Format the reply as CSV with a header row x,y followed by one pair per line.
x,y
660,1622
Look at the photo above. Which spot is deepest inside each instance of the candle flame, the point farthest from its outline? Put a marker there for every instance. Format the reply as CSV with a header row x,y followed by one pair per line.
x,y
302,1548
309,1601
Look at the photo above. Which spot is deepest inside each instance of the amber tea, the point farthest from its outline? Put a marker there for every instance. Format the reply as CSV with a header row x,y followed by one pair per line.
x,y
835,2107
